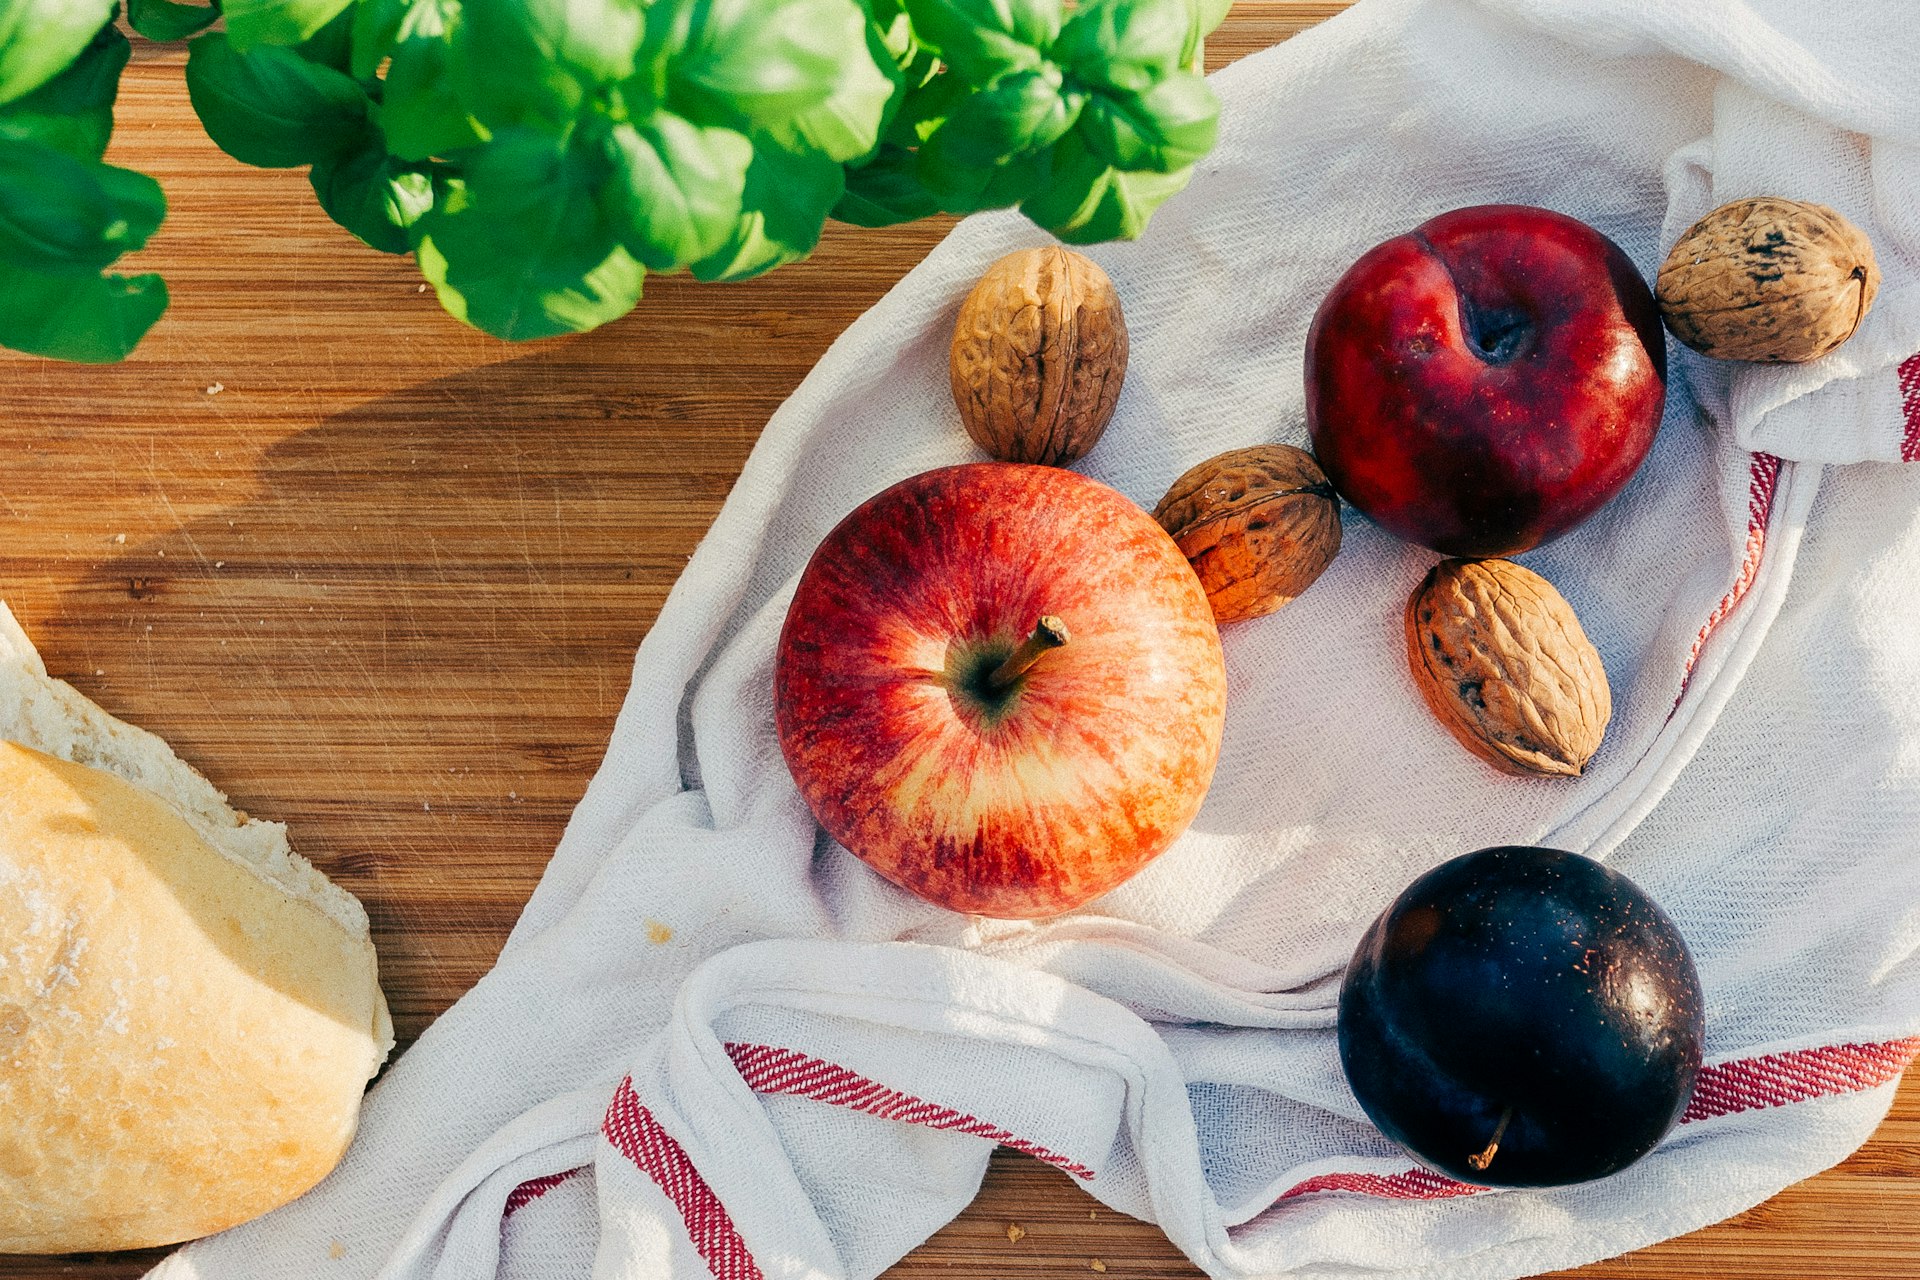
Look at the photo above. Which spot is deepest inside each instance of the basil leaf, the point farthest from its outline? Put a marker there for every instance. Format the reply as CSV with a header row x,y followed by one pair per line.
x,y
757,64
73,112
1167,128
167,20
61,215
519,247
1126,46
886,190
674,195
1024,112
963,186
419,111
376,27
1082,200
986,39
38,38
254,24
373,196
925,109
271,107
783,209
894,31
96,319
332,44
536,61
1206,19
847,125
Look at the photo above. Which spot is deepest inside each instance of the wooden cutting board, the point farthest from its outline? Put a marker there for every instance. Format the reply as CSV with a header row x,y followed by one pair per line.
x,y
381,577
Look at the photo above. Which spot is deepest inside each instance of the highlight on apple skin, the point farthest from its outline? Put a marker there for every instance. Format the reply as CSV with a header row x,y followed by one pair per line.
x,y
1001,686
1487,381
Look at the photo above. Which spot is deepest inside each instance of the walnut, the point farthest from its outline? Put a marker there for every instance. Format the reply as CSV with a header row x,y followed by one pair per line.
x,y
1501,660
1039,352
1259,526
1768,279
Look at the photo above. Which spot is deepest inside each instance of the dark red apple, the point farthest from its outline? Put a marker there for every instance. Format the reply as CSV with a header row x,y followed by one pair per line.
x,y
1001,687
1487,381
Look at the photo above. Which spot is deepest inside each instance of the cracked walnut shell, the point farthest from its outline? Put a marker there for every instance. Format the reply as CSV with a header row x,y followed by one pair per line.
x,y
1258,525
1768,279
1501,660
1039,353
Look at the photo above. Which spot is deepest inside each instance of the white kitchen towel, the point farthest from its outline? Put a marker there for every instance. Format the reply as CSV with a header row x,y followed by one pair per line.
x,y
717,1045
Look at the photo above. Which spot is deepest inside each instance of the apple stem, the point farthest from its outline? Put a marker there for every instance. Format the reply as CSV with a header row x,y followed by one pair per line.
x,y
1048,633
1484,1158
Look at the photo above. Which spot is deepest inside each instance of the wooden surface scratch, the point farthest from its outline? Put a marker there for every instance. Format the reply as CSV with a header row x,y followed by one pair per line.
x,y
382,577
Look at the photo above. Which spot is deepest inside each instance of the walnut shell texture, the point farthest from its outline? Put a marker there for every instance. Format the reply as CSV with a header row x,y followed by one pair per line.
x,y
1258,525
1768,279
1502,661
1039,353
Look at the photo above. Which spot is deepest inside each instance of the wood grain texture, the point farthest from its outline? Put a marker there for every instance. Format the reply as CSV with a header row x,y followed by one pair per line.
x,y
382,577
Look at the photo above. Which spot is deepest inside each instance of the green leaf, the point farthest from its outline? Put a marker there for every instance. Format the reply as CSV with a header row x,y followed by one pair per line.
x,y
519,248
419,110
894,31
1082,200
972,188
674,195
168,20
332,44
376,27
1126,45
253,24
271,107
536,61
976,160
925,109
60,215
1207,17
986,39
38,38
73,112
783,209
1169,127
94,319
886,190
757,64
846,127
375,197
1024,112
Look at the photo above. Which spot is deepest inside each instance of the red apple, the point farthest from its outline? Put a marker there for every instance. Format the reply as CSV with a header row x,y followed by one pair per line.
x,y
1001,687
1486,381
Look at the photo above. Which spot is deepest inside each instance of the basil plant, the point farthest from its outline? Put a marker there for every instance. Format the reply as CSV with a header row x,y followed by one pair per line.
x,y
539,157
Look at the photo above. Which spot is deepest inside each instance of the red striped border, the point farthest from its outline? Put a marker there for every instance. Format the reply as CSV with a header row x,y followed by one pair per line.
x,y
635,1134
767,1069
1414,1184
1778,1079
1909,375
533,1188
1763,479
1748,1084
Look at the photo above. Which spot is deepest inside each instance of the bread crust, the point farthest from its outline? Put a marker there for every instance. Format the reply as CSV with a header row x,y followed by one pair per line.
x,y
189,1013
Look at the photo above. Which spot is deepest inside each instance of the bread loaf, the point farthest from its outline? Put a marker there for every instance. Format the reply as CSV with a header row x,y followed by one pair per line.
x,y
189,1011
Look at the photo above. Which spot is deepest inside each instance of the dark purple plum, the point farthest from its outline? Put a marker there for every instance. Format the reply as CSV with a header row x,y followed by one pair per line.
x,y
1522,1017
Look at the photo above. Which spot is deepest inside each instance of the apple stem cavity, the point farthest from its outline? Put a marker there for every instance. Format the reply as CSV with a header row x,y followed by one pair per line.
x,y
1484,1157
1048,634
1497,334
